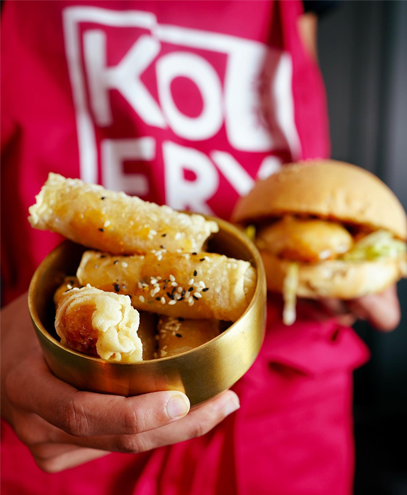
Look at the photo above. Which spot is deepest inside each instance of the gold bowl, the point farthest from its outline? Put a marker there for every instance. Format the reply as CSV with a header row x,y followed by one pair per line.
x,y
200,373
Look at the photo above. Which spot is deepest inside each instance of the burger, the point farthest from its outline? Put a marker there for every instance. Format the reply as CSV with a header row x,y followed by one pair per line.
x,y
325,229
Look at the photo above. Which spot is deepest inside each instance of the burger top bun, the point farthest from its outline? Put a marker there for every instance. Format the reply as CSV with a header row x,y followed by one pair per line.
x,y
328,189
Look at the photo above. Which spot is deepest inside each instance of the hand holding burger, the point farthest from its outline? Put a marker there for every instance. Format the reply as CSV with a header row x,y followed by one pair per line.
x,y
326,229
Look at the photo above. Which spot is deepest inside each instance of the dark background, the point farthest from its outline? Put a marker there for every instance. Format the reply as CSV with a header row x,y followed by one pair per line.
x,y
363,57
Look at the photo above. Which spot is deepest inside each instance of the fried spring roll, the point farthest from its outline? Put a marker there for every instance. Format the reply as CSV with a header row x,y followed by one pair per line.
x,y
147,333
99,324
112,221
176,335
69,283
197,285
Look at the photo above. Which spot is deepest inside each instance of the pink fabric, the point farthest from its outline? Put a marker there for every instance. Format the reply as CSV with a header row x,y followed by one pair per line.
x,y
293,432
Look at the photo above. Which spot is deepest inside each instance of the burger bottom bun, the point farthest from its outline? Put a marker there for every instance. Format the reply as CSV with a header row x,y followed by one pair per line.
x,y
336,278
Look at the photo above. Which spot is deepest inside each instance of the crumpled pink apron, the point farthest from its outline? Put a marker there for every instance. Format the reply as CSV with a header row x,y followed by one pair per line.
x,y
293,433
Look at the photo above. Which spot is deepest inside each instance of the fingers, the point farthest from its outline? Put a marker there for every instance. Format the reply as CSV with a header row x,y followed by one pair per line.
x,y
55,458
198,422
382,311
87,414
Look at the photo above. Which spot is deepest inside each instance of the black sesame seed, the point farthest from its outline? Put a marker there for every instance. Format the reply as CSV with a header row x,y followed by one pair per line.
x,y
115,262
195,273
116,287
194,254
103,197
202,259
158,298
103,256
162,247
173,290
101,230
183,294
206,289
178,335
163,235
181,319
170,295
190,289
196,298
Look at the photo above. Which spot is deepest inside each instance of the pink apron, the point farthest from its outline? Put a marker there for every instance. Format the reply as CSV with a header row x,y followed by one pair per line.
x,y
184,103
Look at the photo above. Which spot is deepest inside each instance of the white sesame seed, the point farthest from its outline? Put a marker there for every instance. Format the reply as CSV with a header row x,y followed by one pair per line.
x,y
153,280
124,264
190,281
107,223
69,286
174,284
202,284
162,300
158,278
206,258
152,232
178,236
140,285
172,278
141,298
179,250
171,303
153,251
177,296
159,258
197,294
163,353
186,256
180,289
191,302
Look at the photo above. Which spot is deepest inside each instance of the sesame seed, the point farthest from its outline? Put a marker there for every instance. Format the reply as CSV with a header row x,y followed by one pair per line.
x,y
174,284
172,278
140,285
178,236
195,298
180,289
191,302
116,287
103,197
178,335
141,298
172,302
162,300
194,254
191,281
153,280
179,250
158,278
206,258
107,223
170,295
124,264
163,235
197,295
152,232
69,286
115,262
183,293
206,289
202,283
195,273
103,256
202,259
100,230
190,289
159,257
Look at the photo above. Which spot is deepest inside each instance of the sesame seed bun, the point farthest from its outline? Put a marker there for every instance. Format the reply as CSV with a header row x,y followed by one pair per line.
x,y
327,189
336,278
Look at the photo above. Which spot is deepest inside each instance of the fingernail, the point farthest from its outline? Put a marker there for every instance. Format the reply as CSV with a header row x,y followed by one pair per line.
x,y
177,406
231,406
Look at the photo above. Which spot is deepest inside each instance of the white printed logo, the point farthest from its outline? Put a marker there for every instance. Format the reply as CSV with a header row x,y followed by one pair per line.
x,y
231,100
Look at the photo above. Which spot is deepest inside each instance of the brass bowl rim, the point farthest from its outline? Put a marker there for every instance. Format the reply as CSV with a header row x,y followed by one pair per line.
x,y
223,224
